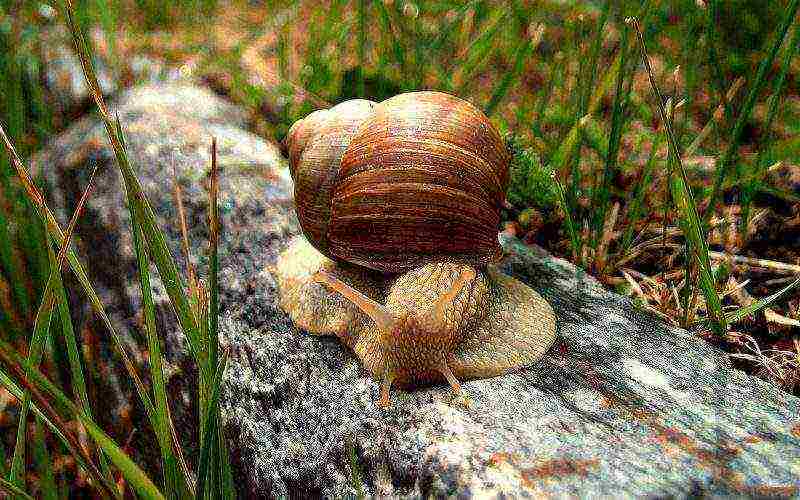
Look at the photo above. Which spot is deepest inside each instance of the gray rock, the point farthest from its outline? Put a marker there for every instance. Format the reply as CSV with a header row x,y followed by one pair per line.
x,y
622,406
166,126
64,77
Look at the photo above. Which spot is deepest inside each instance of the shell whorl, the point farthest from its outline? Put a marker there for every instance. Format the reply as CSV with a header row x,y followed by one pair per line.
x,y
316,145
416,178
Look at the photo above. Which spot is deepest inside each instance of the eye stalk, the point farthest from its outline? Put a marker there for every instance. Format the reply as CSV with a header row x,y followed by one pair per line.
x,y
410,332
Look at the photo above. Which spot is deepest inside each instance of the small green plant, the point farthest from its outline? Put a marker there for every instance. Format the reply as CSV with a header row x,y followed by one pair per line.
x,y
532,184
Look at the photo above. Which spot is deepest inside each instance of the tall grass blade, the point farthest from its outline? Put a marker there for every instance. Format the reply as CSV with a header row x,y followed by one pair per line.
x,y
159,251
41,330
210,429
728,157
161,424
560,158
636,207
36,346
17,392
523,52
222,474
13,490
602,195
362,43
57,234
73,353
756,306
47,483
355,469
130,471
394,42
574,237
213,314
34,383
713,58
43,391
477,52
772,112
588,82
684,200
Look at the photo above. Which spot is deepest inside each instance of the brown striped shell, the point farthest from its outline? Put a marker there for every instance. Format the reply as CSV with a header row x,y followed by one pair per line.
x,y
417,178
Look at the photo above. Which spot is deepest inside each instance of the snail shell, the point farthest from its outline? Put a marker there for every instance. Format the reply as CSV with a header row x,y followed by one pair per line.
x,y
417,178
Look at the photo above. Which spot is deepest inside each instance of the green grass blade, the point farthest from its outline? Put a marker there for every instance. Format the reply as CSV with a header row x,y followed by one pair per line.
x,y
58,235
213,314
47,483
756,306
43,391
523,52
564,152
713,58
41,330
159,251
773,102
730,153
588,82
210,429
362,44
224,475
156,242
684,200
161,423
13,490
34,382
478,51
73,352
17,392
636,210
572,232
397,45
176,289
132,473
355,469
602,195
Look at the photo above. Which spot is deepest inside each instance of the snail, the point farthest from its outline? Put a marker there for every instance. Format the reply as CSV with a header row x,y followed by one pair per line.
x,y
399,203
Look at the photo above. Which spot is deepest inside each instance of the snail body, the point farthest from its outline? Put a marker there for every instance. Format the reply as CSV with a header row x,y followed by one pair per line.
x,y
399,202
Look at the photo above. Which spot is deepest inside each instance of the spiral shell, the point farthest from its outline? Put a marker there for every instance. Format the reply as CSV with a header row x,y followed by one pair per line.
x,y
419,177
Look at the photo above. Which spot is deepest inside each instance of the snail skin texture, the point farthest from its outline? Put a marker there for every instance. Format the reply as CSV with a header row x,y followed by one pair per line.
x,y
399,203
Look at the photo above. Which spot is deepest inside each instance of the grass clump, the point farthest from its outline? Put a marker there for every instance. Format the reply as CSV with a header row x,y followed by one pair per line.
x,y
196,309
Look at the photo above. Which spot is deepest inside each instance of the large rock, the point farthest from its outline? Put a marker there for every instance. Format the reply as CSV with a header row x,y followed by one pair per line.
x,y
623,405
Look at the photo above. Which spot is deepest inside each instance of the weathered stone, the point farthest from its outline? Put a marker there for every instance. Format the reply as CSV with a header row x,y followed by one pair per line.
x,y
64,78
166,126
622,406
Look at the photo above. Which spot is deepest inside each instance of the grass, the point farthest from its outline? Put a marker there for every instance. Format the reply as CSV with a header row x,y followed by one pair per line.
x,y
193,314
605,173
